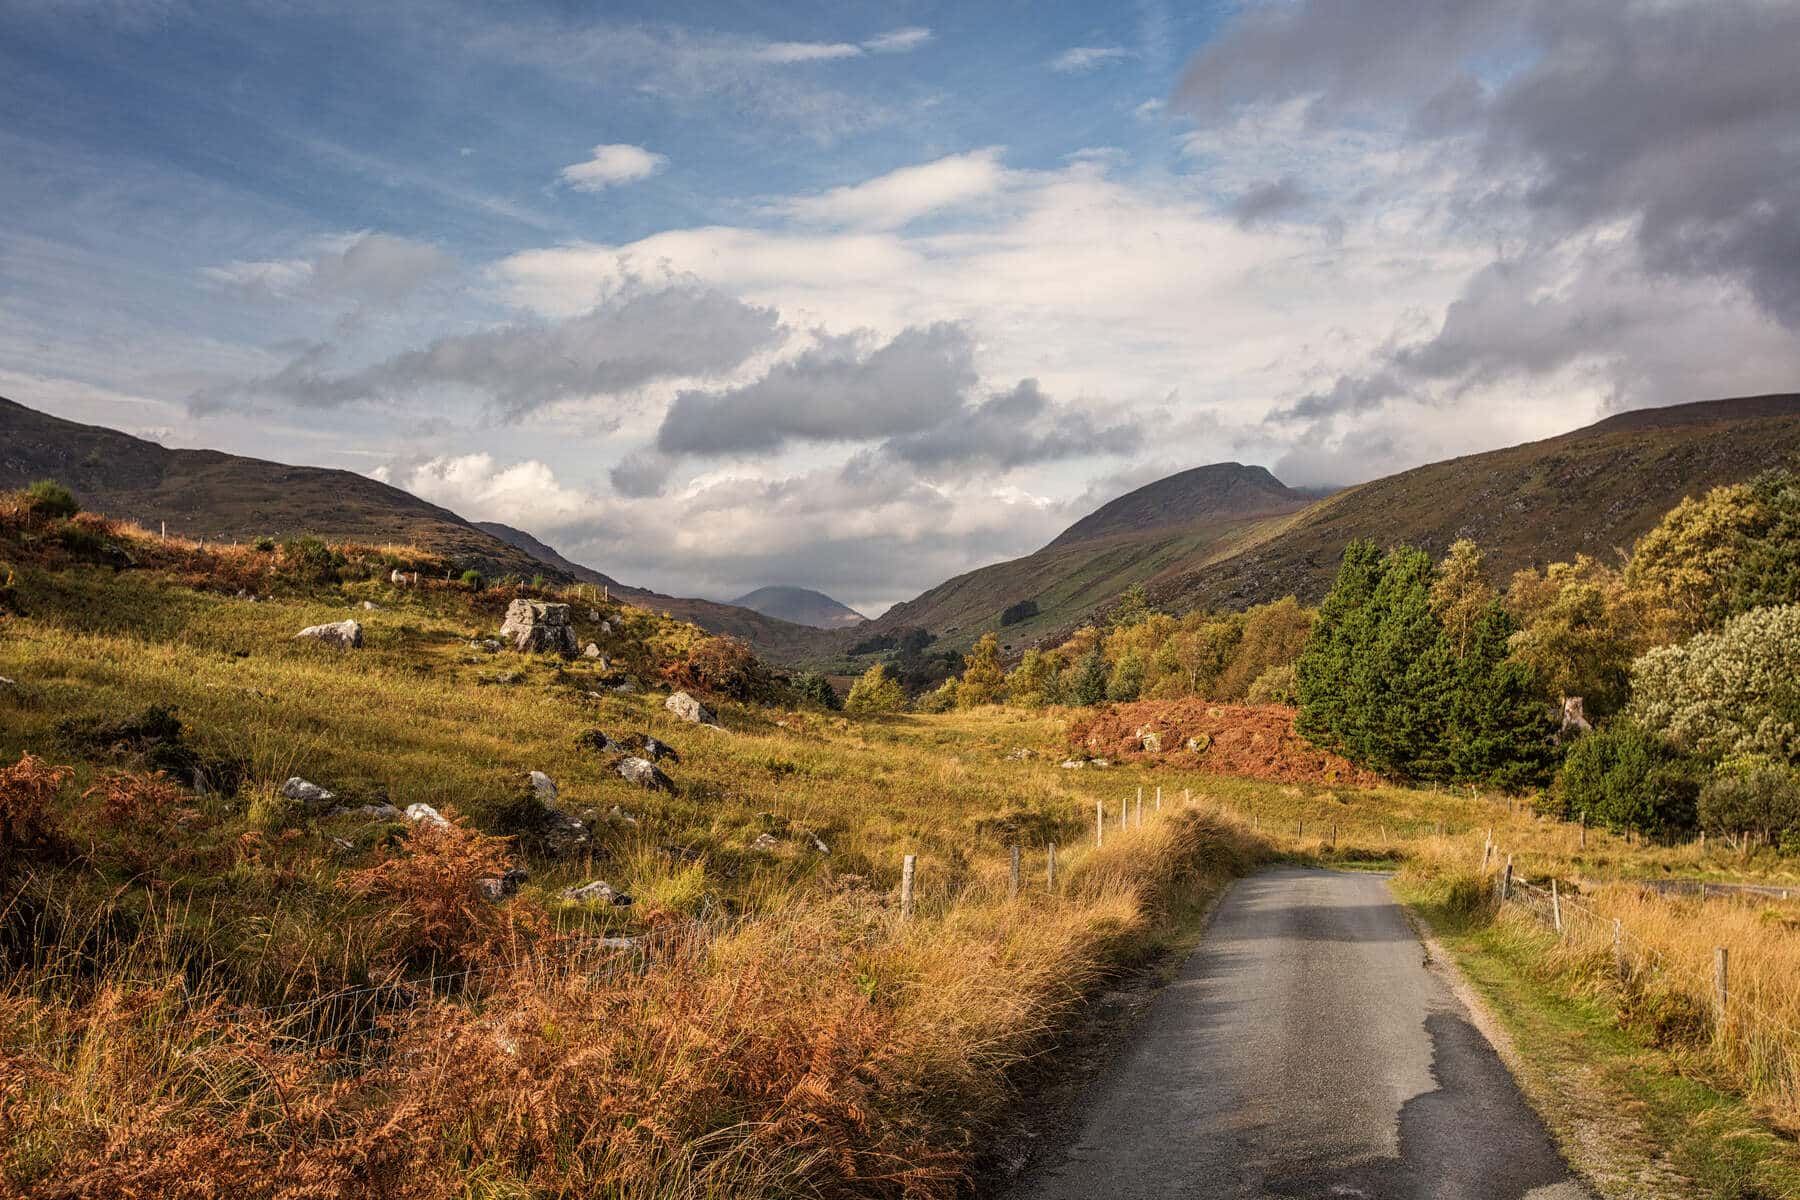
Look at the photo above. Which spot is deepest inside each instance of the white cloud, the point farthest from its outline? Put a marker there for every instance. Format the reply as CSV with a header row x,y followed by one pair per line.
x,y
1077,59
361,266
475,486
611,165
783,53
903,195
898,41
1149,109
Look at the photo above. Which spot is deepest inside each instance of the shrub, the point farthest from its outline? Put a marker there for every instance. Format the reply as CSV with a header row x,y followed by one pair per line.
x,y
875,693
26,790
723,666
1088,683
814,688
1273,686
80,540
1759,799
1732,692
472,580
265,545
51,500
1033,683
1624,776
940,699
311,559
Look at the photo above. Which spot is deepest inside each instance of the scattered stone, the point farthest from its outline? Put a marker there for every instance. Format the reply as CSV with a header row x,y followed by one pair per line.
x,y
597,892
491,890
534,625
371,606
397,577
424,813
309,794
341,845
619,814
766,842
626,688
345,635
644,773
593,614
1574,720
1072,764
543,785
689,709
596,739
1023,754
1200,743
590,651
1101,763
563,835
1150,740
818,843
374,812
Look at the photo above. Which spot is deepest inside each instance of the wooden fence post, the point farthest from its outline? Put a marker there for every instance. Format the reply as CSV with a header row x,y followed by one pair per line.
x,y
1555,907
1099,824
1299,828
1124,812
1187,795
1140,808
1334,835
1618,948
1506,881
907,866
1721,990
1012,882
1159,799
1584,831
1487,852
1050,869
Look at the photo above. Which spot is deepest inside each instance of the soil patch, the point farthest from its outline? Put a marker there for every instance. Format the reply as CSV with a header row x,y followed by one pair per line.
x,y
1257,741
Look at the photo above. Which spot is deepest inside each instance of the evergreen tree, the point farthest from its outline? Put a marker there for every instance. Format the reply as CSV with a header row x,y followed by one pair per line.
x,y
1322,673
1500,728
1402,675
1089,684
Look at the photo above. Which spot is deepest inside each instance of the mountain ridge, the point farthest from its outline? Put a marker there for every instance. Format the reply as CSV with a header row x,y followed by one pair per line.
x,y
802,606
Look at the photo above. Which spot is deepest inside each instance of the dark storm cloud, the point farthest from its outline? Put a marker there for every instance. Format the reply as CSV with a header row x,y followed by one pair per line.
x,y
636,338
1012,429
1681,118
913,394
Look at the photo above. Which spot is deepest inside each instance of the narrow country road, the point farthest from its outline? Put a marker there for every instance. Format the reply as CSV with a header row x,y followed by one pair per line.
x,y
1306,1050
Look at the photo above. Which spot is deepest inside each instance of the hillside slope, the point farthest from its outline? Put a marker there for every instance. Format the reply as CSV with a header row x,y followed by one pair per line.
x,y
802,606
1188,518
229,497
1592,491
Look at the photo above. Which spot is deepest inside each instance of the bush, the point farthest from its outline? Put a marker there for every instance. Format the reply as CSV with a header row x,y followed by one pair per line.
x,y
1759,799
265,545
984,679
1127,678
472,580
725,667
1088,685
26,789
310,558
875,693
940,699
814,688
1274,686
80,540
1624,776
1732,692
51,500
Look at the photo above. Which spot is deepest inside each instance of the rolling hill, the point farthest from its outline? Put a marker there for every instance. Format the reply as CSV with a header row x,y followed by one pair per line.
x,y
1592,491
229,497
802,606
1229,536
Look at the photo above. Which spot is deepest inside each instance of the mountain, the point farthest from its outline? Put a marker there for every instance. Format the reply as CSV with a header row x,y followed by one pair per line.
x,y
1591,491
802,606
228,497
1229,535
1191,517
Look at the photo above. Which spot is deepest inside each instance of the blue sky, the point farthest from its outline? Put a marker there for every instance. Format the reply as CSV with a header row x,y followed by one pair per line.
x,y
859,296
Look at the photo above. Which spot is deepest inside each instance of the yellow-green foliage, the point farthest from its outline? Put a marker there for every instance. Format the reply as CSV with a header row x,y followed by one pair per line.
x,y
875,692
983,678
1678,571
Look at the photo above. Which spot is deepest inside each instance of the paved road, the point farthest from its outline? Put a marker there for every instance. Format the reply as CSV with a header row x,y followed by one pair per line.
x,y
1307,1050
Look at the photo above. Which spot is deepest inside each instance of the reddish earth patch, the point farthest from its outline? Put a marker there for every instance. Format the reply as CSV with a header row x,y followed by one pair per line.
x,y
1257,741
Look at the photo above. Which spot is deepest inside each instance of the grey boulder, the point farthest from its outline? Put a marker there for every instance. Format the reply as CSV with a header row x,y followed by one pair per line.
x,y
644,773
535,625
689,709
309,794
345,635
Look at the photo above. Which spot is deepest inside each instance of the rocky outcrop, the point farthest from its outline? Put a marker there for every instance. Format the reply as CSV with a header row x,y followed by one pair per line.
x,y
644,773
542,785
424,814
311,795
345,635
596,892
689,709
534,626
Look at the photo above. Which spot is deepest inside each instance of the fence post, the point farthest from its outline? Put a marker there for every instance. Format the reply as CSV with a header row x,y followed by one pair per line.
x,y
1124,812
1506,881
1440,829
1299,827
1050,869
1334,835
1140,808
1555,907
1584,831
1012,882
1703,843
1099,824
1187,795
907,865
1487,852
1159,799
1618,948
1721,992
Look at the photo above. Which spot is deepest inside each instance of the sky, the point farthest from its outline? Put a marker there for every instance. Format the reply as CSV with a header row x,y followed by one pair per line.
x,y
860,296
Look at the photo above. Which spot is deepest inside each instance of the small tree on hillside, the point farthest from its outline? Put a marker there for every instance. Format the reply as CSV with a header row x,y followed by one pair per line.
x,y
1132,609
1500,728
983,678
1126,682
48,498
1033,683
1088,683
875,693
814,688
1461,594
1322,673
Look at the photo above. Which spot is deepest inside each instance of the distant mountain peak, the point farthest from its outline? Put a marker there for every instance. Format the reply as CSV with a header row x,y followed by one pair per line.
x,y
1216,492
802,606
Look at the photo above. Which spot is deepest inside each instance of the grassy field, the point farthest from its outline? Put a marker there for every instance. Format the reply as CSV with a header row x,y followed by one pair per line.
x,y
218,993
